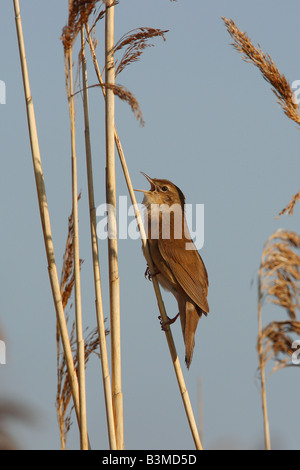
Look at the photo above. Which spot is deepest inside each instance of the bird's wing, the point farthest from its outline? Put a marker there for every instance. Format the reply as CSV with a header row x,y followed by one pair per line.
x,y
188,269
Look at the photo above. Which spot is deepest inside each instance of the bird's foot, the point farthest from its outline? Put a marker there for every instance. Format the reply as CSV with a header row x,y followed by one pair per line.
x,y
165,324
148,274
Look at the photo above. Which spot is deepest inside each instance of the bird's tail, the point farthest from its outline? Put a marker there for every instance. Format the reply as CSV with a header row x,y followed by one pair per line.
x,y
189,317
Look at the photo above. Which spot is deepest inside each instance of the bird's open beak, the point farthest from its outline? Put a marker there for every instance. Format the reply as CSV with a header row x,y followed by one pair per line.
x,y
150,181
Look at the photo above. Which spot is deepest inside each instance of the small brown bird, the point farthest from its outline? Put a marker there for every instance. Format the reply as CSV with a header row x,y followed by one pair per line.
x,y
179,266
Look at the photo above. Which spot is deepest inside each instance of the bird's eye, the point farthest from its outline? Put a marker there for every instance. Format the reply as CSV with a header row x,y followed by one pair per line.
x,y
164,188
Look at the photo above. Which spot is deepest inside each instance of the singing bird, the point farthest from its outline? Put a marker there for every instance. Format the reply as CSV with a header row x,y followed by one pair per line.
x,y
179,267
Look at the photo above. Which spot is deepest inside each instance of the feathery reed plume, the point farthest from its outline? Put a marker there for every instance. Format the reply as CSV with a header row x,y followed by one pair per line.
x,y
278,343
125,95
176,363
267,67
279,272
99,13
280,86
289,209
135,42
79,12
67,273
120,91
279,284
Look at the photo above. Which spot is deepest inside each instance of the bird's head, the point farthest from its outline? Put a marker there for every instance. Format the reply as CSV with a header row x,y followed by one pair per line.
x,y
162,191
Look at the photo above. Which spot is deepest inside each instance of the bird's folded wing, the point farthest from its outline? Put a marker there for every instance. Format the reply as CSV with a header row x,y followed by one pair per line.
x,y
188,269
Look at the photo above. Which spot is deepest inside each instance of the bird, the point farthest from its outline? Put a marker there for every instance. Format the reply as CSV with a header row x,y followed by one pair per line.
x,y
178,265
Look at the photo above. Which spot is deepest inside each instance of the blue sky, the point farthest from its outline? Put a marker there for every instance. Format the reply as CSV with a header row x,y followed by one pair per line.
x,y
213,127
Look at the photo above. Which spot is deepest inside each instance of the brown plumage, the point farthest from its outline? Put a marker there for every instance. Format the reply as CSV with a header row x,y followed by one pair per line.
x,y
179,266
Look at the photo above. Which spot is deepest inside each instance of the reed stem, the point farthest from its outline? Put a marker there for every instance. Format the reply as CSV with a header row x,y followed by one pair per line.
x,y
78,310
114,283
44,214
95,256
262,375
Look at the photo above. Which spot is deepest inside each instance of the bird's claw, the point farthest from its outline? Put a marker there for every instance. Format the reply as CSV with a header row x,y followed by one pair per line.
x,y
165,324
148,274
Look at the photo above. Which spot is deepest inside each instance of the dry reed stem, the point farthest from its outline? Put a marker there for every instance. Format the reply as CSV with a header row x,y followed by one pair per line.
x,y
175,360
44,214
95,256
267,67
114,281
263,377
63,396
78,309
118,90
